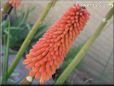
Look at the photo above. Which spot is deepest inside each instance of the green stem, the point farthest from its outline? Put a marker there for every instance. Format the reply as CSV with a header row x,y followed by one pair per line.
x,y
29,38
5,59
84,49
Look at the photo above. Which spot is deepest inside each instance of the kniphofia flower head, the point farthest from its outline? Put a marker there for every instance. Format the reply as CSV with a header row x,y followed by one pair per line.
x,y
14,3
49,52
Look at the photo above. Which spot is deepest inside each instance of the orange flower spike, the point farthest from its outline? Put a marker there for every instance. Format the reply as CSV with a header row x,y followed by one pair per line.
x,y
49,52
14,3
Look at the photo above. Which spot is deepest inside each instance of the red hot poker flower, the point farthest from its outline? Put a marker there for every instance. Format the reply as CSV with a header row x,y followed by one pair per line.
x,y
14,3
49,52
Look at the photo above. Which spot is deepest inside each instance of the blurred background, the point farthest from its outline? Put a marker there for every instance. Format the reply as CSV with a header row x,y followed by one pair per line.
x,y
97,65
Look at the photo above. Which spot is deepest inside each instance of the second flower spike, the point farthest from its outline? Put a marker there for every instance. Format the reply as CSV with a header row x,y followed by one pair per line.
x,y
14,3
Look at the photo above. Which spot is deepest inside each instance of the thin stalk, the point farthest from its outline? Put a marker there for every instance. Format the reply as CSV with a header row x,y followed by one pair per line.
x,y
29,38
84,49
5,59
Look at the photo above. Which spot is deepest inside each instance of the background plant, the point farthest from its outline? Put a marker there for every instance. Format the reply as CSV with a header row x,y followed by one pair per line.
x,y
20,26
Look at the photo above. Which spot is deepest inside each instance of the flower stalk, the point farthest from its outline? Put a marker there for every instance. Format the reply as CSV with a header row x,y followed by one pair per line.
x,y
84,49
29,38
5,58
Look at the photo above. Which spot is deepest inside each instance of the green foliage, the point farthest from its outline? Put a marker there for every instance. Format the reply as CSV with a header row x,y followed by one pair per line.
x,y
19,29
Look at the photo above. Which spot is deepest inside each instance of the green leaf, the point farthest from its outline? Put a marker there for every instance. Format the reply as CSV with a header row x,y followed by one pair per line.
x,y
5,58
17,36
4,24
